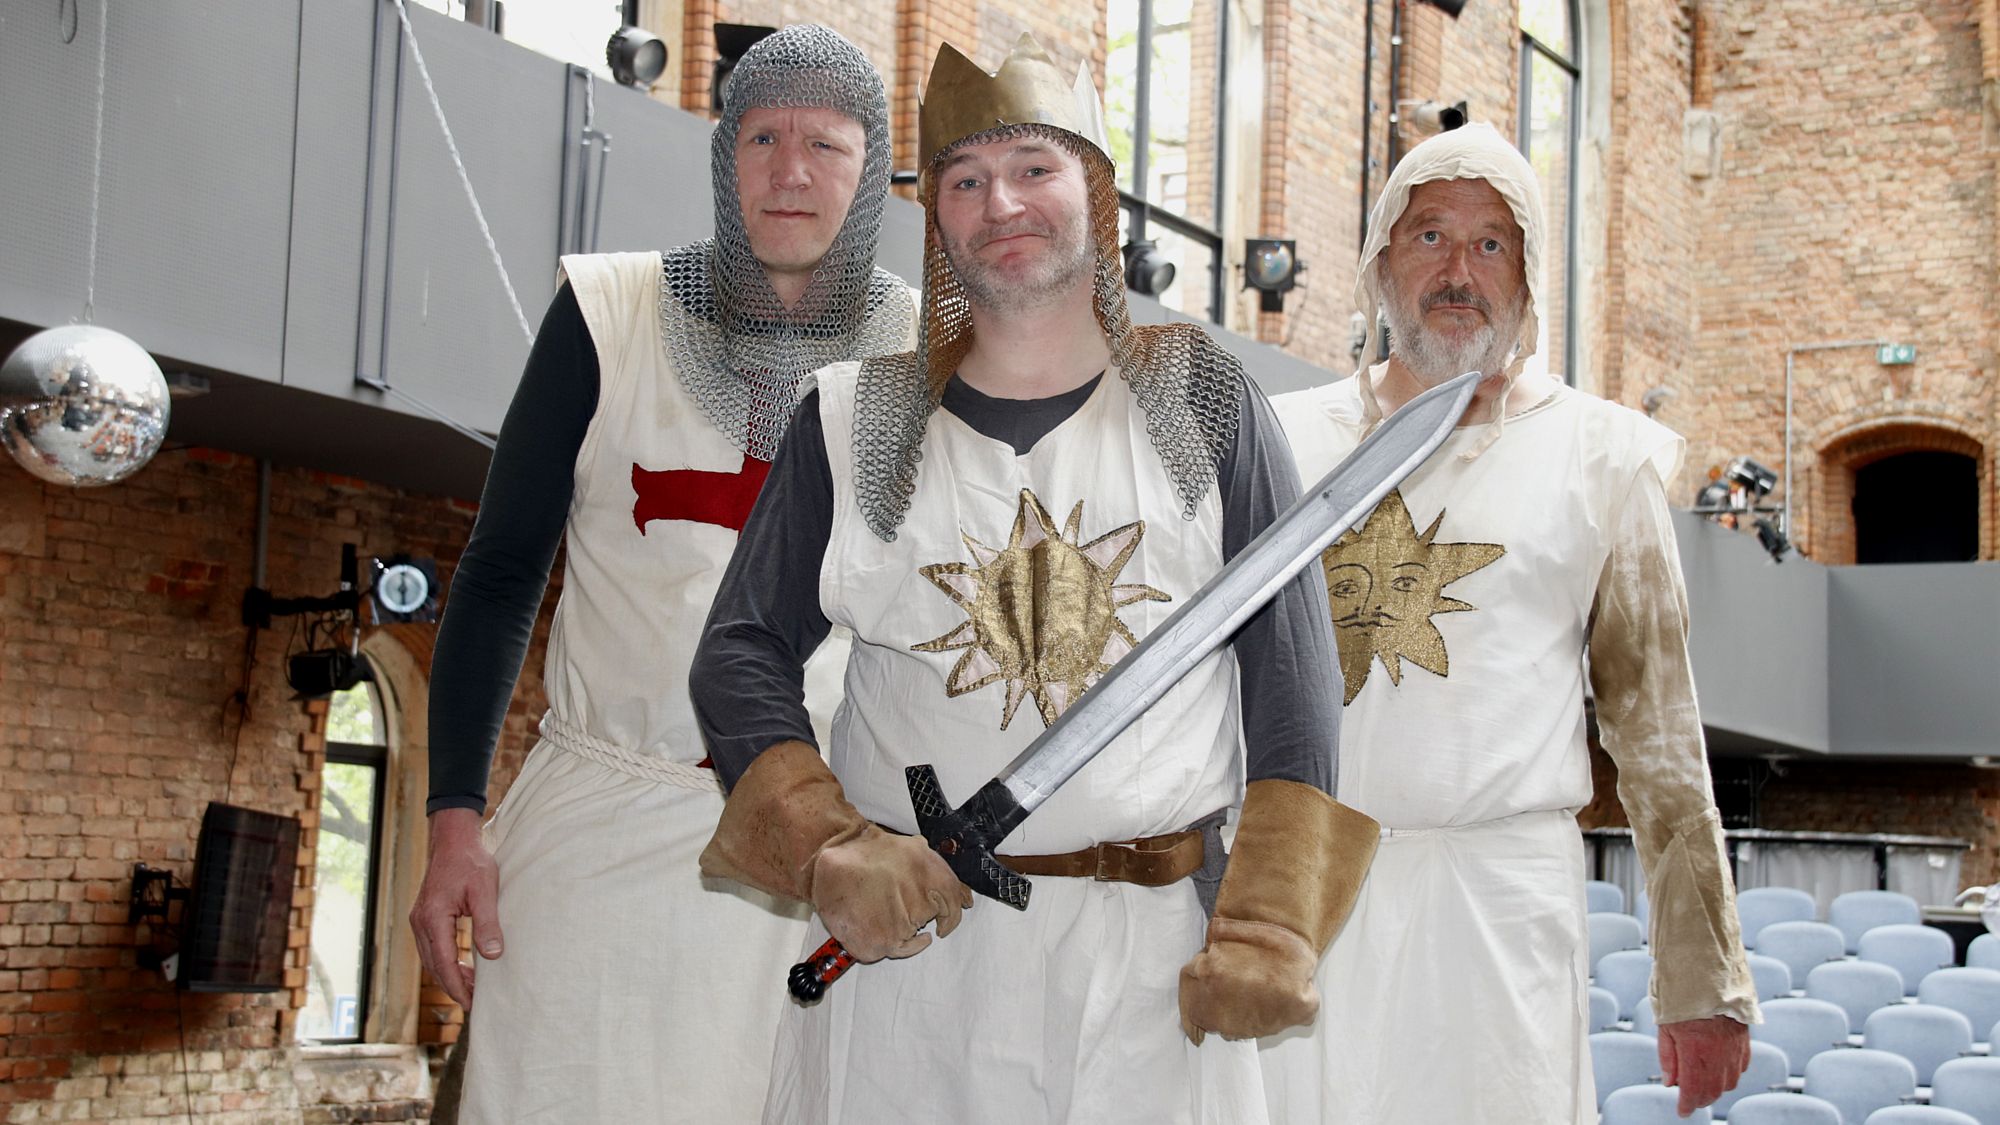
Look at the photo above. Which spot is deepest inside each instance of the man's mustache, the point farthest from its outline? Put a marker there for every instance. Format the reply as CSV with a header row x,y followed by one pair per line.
x,y
1454,295
988,237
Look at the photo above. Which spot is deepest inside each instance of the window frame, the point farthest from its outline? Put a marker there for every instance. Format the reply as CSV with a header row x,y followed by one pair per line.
x,y
1140,213
1531,48
375,757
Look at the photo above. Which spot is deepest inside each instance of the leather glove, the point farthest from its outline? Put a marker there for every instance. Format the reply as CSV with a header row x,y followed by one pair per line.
x,y
1293,876
788,829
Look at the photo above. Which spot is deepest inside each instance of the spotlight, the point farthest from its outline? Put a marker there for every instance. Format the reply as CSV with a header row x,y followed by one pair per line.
x,y
1438,117
322,672
732,40
1147,270
1272,267
1753,477
637,57
1773,540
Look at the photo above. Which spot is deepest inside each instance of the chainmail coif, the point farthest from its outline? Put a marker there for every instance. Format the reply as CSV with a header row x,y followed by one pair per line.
x,y
740,351
1189,387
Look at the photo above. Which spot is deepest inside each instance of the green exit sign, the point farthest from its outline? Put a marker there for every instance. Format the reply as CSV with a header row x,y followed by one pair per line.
x,y
1895,355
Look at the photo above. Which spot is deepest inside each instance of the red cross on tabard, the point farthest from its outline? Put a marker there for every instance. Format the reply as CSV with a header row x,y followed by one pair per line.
x,y
722,499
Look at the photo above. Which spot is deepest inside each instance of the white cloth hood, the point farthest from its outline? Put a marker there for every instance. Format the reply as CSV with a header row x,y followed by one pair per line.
x,y
1475,152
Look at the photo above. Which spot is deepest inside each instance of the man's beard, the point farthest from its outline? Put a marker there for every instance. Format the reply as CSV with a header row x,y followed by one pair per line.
x,y
1430,355
1069,258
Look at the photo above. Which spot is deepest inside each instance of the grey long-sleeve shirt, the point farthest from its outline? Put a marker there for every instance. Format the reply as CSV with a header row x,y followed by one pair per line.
x,y
748,676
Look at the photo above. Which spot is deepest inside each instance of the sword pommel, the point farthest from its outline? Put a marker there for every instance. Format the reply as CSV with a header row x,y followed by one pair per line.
x,y
967,835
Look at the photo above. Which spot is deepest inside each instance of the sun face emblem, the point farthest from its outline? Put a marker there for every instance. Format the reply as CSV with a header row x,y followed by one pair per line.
x,y
1041,612
1386,582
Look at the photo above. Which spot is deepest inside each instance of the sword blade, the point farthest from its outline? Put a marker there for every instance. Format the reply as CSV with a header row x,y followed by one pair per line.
x,y
1205,623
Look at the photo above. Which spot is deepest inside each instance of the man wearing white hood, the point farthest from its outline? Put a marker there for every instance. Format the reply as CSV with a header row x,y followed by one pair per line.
x,y
1458,991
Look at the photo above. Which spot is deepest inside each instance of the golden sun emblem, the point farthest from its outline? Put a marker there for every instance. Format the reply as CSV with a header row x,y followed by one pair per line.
x,y
1386,582
1042,612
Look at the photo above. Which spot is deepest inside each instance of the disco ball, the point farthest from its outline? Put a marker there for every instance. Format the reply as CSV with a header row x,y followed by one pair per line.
x,y
82,405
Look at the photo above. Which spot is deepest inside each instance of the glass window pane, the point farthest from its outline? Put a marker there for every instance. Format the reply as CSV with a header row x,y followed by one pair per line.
x,y
566,30
1121,83
352,717
1548,22
1549,103
343,882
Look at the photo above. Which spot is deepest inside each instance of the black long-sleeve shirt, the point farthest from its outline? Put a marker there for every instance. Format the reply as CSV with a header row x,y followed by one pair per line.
x,y
766,619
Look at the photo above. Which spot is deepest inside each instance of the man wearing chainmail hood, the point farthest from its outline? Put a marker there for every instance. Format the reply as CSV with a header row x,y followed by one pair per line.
x,y
1463,607
999,516
618,985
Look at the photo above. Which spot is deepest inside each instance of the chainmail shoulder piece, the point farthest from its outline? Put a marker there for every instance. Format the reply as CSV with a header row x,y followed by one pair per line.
x,y
1189,387
740,350
892,407
747,381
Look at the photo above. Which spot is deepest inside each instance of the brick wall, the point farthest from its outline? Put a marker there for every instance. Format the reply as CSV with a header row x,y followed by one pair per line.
x,y
120,655
1855,200
1903,798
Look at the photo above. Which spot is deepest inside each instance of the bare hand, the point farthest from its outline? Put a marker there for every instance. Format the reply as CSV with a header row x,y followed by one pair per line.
x,y
1705,1058
460,881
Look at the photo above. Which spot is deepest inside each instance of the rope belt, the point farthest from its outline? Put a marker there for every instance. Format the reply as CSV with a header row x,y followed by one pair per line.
x,y
1154,861
677,774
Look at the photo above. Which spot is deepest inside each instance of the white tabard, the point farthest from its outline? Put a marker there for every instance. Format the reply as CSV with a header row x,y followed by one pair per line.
x,y
1065,1012
632,989
1457,991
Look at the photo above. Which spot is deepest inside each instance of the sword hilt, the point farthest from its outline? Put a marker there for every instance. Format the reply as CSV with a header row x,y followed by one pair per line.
x,y
965,836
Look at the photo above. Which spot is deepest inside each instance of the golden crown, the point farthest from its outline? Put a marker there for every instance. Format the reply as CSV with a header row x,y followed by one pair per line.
x,y
1028,89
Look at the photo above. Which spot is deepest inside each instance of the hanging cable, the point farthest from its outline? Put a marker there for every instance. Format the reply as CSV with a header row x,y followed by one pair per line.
x,y
97,160
465,181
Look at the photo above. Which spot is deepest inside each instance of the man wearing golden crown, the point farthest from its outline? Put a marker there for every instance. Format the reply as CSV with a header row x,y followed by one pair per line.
x,y
1540,528
999,516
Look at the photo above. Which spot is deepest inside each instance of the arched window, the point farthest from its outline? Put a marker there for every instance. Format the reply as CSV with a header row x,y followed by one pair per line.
x,y
1547,132
347,872
1921,506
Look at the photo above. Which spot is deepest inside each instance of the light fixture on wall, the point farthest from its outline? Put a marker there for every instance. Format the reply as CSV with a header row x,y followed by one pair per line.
x,y
732,41
1449,7
1437,117
1272,267
1147,271
637,57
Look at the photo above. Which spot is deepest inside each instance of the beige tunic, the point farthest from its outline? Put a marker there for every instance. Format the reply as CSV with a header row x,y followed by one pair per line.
x,y
1462,611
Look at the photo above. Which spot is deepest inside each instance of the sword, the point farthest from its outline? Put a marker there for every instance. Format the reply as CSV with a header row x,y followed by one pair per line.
x,y
966,836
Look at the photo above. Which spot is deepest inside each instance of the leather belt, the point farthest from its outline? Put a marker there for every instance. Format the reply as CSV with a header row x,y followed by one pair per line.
x,y
1154,861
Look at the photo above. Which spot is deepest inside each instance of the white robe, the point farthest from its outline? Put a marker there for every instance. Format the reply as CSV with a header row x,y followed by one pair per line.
x,y
631,989
1458,990
1067,1011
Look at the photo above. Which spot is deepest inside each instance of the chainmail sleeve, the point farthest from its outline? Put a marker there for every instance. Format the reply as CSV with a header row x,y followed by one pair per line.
x,y
748,678
501,578
1285,654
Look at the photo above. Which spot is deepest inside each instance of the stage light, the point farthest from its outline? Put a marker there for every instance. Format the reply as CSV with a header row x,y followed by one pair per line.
x,y
637,57
1755,478
1147,270
1272,267
1438,117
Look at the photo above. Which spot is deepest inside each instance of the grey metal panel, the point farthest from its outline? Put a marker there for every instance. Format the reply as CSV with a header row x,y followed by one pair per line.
x,y
454,341
1915,650
329,170
657,188
196,173
1758,638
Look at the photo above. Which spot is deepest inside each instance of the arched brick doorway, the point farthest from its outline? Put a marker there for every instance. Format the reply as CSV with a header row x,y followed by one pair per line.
x,y
1903,492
